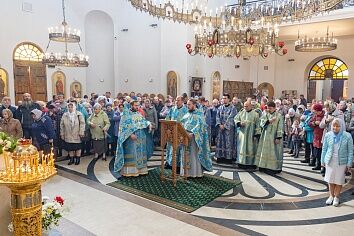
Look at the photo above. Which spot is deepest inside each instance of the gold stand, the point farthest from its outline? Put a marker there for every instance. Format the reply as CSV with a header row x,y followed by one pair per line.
x,y
26,209
24,172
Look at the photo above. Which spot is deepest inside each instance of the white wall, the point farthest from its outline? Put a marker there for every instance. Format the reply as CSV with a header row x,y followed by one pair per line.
x,y
99,34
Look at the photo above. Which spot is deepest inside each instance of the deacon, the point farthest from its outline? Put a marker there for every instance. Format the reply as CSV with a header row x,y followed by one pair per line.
x,y
199,149
269,156
176,113
247,122
226,142
134,146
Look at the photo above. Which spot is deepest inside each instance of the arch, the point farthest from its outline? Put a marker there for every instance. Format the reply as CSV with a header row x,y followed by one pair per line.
x,y
216,85
329,68
27,51
30,75
172,83
326,76
4,83
59,83
266,89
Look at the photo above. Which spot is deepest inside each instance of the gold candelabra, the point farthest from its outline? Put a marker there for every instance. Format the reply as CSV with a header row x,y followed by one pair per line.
x,y
23,172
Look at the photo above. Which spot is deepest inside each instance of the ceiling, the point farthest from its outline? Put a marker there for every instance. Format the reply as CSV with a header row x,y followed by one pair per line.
x,y
343,27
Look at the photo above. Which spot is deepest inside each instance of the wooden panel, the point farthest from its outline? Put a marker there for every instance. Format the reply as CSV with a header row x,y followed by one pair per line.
x,y
30,78
239,89
311,91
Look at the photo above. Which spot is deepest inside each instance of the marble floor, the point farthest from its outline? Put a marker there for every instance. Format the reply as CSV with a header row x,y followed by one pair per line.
x,y
292,203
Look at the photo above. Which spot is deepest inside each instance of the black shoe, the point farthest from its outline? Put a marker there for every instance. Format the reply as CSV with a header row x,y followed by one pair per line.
x,y
167,166
317,168
312,163
72,160
305,161
290,152
104,158
323,170
77,161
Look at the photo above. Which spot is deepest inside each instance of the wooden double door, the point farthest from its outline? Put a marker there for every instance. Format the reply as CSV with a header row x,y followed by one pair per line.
x,y
30,77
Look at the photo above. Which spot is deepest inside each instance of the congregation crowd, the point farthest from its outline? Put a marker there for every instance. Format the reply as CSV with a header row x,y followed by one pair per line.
x,y
252,134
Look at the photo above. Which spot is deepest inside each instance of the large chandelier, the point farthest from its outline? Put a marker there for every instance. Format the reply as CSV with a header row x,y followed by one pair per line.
x,y
65,34
237,42
246,14
319,44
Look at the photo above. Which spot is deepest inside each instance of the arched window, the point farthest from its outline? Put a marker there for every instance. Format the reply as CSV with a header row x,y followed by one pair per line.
x,y
329,68
28,52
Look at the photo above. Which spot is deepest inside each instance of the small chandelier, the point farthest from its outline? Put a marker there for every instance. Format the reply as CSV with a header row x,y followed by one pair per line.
x,y
64,34
320,44
237,43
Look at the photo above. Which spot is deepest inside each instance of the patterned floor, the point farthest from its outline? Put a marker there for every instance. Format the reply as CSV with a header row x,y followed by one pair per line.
x,y
263,205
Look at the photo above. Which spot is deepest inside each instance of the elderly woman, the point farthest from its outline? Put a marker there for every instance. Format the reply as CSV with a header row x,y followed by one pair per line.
x,y
72,129
337,156
10,125
99,125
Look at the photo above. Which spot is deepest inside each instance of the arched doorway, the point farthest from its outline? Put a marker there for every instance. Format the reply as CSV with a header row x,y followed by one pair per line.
x,y
29,73
216,80
328,78
266,89
172,83
4,83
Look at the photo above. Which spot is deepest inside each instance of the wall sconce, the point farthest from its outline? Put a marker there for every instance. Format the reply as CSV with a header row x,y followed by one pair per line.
x,y
204,80
151,80
101,80
153,25
124,30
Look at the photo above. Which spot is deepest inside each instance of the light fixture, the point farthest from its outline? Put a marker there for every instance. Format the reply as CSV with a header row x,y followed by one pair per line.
x,y
245,14
64,34
319,44
237,43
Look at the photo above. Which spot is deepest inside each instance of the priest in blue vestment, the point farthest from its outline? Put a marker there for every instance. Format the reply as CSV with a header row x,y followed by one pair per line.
x,y
134,146
176,113
199,148
226,139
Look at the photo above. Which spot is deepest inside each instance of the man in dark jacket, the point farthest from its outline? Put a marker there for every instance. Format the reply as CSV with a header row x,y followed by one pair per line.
x,y
23,114
6,104
42,130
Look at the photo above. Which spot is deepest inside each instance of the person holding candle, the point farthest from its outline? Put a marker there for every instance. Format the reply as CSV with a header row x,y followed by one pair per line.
x,y
72,129
10,125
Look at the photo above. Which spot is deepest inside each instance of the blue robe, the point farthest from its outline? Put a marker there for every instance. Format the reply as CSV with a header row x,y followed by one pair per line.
x,y
110,132
226,139
176,115
194,122
131,156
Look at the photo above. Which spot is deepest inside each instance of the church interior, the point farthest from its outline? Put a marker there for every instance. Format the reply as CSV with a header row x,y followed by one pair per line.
x,y
274,49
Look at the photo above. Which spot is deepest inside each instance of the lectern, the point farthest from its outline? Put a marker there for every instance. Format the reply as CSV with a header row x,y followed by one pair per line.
x,y
172,132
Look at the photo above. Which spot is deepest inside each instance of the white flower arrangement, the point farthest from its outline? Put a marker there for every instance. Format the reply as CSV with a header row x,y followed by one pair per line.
x,y
52,211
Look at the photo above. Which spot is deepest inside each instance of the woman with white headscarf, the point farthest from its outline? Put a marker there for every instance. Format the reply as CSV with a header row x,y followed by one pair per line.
x,y
337,157
72,129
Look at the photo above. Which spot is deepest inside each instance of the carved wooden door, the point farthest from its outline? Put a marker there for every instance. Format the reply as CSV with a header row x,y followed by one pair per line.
x,y
30,77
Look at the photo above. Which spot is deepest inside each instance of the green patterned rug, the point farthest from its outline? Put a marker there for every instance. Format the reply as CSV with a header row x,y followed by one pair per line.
x,y
187,196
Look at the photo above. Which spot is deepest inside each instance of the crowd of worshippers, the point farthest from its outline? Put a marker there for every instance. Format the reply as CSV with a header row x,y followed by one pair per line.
x,y
252,134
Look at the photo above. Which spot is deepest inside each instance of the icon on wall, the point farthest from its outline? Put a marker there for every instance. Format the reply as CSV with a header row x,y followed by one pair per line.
x,y
197,87
172,84
76,90
58,79
3,83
